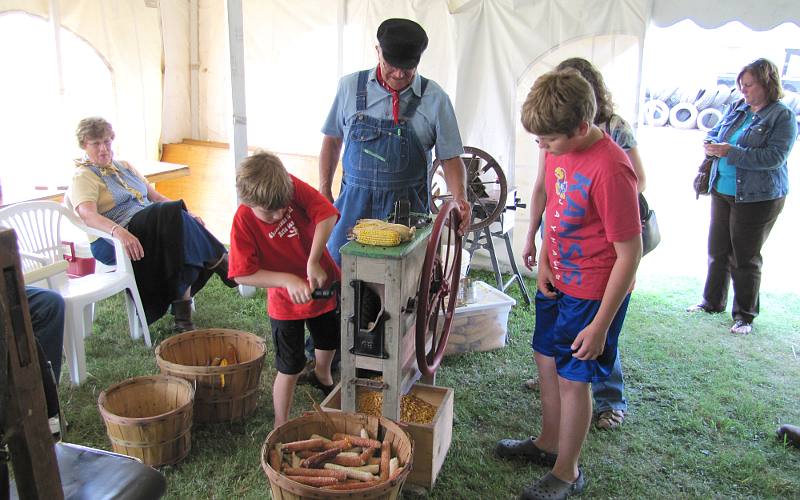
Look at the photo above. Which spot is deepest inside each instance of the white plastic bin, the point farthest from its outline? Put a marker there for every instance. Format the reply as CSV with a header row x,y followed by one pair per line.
x,y
482,325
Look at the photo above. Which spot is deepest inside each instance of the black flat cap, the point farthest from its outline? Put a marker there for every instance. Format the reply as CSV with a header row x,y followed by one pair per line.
x,y
402,42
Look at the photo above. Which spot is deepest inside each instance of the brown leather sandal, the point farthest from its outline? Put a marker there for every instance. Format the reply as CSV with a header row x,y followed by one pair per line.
x,y
610,419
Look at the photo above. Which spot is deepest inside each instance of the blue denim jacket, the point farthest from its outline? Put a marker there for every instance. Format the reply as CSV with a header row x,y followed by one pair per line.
x,y
761,152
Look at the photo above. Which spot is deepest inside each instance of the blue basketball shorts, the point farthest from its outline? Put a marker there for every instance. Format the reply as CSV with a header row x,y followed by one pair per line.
x,y
559,321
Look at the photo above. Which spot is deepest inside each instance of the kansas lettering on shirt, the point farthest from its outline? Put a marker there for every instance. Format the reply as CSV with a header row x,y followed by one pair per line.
x,y
592,202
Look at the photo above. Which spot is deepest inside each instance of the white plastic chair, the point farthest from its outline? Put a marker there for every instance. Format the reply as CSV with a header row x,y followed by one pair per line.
x,y
39,226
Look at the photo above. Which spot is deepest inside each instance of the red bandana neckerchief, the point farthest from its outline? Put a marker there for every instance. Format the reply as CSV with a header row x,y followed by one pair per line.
x,y
395,95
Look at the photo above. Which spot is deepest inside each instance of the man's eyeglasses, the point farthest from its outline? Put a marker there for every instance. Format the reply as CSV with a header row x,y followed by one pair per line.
x,y
388,69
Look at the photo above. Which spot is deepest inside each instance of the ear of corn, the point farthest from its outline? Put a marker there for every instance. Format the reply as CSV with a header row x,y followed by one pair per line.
x,y
381,233
378,237
224,362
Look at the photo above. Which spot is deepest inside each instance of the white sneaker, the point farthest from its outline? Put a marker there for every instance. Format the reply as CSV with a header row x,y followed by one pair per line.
x,y
55,426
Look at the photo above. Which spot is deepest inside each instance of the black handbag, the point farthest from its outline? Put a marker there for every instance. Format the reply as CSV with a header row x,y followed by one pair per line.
x,y
702,177
651,236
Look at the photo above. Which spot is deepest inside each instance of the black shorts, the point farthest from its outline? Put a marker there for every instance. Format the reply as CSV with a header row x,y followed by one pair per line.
x,y
288,337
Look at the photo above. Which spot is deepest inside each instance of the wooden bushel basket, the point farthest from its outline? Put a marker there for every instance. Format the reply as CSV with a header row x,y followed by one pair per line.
x,y
149,418
284,488
222,393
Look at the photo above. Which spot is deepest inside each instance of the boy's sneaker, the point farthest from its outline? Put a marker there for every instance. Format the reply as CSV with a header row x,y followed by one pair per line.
x,y
525,449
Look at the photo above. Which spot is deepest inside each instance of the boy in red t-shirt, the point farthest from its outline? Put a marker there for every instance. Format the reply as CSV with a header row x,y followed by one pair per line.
x,y
278,242
590,251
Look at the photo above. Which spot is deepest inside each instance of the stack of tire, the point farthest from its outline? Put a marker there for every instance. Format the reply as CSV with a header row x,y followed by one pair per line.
x,y
693,107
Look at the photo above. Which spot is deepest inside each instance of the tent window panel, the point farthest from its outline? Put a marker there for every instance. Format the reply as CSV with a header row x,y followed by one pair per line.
x,y
40,111
617,57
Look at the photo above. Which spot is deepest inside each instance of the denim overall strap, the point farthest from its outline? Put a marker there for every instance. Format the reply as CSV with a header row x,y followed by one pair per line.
x,y
383,162
126,205
361,91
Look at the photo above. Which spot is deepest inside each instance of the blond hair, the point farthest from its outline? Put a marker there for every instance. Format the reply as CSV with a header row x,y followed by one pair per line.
x,y
93,127
558,103
766,74
262,181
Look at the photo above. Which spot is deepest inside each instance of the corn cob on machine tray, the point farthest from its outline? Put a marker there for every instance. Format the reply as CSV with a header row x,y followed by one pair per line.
x,y
397,306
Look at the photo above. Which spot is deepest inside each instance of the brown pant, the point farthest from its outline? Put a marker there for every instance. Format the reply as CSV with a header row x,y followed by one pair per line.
x,y
735,237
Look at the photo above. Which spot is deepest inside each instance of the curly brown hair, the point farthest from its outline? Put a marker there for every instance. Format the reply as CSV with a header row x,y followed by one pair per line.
x,y
605,106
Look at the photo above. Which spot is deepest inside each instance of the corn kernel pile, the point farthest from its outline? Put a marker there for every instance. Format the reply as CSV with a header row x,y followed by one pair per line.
x,y
412,408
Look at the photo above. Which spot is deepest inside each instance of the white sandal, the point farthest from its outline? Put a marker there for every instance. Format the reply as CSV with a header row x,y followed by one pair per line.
x,y
741,327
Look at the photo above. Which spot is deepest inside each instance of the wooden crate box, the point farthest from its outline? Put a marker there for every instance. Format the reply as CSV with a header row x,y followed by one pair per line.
x,y
431,441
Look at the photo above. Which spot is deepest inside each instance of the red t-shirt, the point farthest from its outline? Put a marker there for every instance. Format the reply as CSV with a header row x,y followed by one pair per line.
x,y
592,202
284,247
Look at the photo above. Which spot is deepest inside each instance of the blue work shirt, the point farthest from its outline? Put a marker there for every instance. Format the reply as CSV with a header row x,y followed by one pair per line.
x,y
434,121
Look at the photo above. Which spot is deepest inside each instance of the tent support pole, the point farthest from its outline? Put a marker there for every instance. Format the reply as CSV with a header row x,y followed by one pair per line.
x,y
194,67
236,44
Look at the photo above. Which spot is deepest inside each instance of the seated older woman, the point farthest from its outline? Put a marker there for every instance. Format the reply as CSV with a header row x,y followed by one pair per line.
x,y
173,254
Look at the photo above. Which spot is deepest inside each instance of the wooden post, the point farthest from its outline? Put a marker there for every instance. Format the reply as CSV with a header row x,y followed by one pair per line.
x,y
25,425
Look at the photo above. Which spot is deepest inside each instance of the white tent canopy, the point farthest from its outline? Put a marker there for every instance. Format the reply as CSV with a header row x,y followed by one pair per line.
x,y
714,13
295,50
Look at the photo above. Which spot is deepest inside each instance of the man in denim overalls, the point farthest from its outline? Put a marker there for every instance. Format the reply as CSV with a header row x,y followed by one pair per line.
x,y
389,118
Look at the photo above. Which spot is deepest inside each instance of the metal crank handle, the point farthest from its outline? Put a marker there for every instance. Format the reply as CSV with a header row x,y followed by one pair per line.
x,y
326,293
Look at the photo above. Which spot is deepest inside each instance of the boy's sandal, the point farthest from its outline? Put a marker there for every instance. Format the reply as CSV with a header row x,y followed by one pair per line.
x,y
525,449
550,487
610,419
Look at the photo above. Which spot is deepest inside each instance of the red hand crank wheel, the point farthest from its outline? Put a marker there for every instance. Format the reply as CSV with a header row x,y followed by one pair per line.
x,y
441,273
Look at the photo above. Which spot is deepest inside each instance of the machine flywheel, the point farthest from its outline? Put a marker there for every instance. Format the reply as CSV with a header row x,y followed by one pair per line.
x,y
438,289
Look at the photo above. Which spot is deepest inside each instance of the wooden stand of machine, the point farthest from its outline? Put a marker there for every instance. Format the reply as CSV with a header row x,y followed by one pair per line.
x,y
392,300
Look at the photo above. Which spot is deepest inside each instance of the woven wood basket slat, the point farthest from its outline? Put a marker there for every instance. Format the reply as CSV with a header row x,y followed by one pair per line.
x,y
149,418
303,427
188,355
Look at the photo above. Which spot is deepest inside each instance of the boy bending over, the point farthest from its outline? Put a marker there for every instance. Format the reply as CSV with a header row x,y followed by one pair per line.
x,y
590,251
278,242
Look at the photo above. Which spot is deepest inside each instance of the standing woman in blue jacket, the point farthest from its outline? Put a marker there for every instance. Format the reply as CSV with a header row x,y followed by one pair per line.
x,y
748,186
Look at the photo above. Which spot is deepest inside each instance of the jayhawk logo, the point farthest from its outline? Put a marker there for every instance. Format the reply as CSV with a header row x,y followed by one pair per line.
x,y
561,182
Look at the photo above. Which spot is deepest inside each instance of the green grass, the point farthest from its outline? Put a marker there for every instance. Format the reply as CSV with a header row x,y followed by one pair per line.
x,y
703,404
